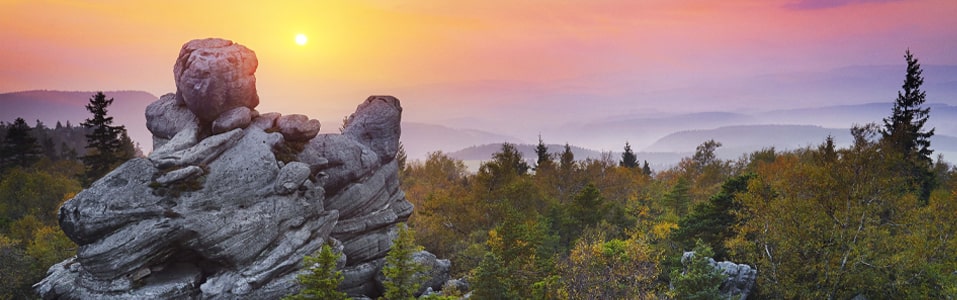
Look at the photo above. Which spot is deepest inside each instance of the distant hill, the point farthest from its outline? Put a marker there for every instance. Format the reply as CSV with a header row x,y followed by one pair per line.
x,y
942,116
484,152
128,109
738,140
748,138
643,130
419,139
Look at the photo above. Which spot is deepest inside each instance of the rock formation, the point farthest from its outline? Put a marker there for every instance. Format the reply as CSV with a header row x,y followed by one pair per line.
x,y
741,277
231,200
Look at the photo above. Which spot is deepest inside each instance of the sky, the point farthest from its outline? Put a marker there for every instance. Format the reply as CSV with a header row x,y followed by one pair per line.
x,y
468,60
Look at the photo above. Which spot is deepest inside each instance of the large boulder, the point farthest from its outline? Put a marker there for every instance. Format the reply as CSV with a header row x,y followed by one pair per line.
x,y
231,201
215,75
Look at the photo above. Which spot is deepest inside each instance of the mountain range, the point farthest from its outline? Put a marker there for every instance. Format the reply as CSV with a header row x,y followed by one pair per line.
x,y
468,119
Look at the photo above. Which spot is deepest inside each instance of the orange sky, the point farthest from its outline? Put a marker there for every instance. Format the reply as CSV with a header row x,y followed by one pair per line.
x,y
357,48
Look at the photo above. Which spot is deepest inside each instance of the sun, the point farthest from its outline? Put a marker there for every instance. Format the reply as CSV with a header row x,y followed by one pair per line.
x,y
301,39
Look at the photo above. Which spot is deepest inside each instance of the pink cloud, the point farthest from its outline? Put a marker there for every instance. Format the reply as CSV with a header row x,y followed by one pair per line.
x,y
823,4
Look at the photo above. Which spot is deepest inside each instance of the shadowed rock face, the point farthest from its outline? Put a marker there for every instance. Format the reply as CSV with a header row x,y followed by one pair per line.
x,y
227,208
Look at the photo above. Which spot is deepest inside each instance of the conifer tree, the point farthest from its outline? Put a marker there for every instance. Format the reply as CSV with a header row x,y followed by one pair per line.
x,y
322,281
19,147
905,134
567,159
488,279
680,197
587,208
103,141
402,273
904,129
827,150
544,158
713,222
645,169
628,158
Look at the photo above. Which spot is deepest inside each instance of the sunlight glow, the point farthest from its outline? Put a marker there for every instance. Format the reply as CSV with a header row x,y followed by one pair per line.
x,y
301,39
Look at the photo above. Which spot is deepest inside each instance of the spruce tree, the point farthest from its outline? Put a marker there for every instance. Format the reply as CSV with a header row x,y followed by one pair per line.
x,y
904,129
713,222
19,147
628,158
645,169
544,159
566,160
103,139
322,281
402,273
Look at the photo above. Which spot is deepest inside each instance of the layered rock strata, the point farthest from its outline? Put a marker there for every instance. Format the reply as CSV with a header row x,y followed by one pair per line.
x,y
230,200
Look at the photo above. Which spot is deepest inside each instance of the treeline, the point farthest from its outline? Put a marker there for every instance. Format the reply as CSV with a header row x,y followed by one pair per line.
x,y
875,219
40,168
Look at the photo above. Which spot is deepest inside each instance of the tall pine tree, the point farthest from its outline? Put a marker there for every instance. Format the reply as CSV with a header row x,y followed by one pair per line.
x,y
103,140
904,129
544,158
628,158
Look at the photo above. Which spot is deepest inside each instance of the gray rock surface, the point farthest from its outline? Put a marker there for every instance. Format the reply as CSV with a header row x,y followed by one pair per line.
x,y
165,118
438,270
231,119
298,127
213,214
371,125
741,277
215,75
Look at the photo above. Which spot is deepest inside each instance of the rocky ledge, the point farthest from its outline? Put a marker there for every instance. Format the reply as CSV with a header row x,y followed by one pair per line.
x,y
230,200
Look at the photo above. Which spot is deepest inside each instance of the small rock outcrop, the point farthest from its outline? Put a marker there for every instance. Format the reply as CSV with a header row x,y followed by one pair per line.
x,y
741,277
230,200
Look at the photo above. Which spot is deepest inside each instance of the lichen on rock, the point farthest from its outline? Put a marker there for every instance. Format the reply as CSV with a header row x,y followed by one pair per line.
x,y
215,212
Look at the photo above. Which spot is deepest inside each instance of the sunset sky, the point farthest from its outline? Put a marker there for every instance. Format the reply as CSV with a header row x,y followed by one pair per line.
x,y
433,54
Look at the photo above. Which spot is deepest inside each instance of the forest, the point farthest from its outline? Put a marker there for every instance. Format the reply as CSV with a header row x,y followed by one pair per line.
x,y
872,219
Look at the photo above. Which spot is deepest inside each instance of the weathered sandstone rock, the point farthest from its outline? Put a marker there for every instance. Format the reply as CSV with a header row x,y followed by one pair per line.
x,y
215,75
231,119
297,127
230,201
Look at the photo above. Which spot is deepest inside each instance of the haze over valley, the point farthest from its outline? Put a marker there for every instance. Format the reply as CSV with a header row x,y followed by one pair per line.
x,y
664,125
